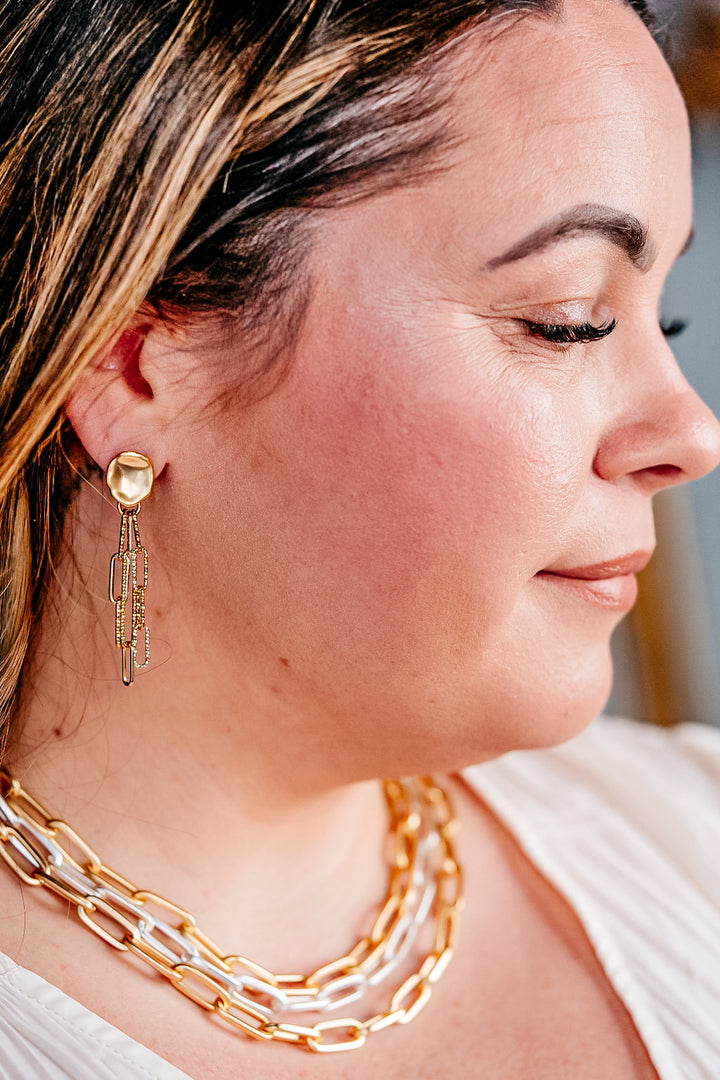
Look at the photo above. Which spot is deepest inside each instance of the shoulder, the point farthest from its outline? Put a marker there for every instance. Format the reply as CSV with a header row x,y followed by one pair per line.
x,y
659,785
646,753
634,748
624,821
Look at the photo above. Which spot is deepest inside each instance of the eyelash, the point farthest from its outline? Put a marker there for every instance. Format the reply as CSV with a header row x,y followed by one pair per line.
x,y
570,333
674,328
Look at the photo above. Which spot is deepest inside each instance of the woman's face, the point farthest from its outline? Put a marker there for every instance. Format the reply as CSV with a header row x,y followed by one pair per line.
x,y
436,514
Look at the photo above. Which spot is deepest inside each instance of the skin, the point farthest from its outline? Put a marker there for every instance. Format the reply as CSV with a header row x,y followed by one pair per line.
x,y
361,574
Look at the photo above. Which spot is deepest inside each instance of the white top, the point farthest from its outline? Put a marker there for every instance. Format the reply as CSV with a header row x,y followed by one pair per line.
x,y
624,820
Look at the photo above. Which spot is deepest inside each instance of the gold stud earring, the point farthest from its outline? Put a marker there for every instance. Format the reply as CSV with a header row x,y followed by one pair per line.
x,y
130,479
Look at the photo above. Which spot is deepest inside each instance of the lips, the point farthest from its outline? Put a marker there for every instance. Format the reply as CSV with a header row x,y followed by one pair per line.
x,y
626,564
610,584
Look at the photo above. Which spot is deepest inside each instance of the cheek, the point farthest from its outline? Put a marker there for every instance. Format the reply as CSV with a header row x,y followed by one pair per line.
x,y
441,498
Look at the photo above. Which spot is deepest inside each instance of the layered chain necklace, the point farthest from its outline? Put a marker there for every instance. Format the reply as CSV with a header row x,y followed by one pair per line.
x,y
424,891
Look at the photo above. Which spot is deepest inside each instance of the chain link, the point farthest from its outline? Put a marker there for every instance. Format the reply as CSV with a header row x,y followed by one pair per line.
x,y
130,624
425,879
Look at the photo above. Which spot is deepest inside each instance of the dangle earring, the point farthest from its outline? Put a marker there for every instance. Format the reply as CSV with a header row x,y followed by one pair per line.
x,y
130,479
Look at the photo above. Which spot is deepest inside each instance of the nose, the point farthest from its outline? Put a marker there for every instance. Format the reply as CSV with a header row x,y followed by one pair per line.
x,y
666,434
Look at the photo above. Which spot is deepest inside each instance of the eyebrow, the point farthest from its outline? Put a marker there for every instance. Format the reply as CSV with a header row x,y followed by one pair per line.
x,y
621,229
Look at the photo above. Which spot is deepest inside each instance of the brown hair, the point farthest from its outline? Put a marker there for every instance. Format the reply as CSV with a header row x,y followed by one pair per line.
x,y
166,155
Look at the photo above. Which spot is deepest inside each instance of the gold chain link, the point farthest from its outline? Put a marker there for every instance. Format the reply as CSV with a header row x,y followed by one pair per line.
x,y
125,917
130,625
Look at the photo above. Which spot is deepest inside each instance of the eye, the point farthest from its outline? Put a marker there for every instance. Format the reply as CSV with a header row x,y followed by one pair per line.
x,y
569,333
673,328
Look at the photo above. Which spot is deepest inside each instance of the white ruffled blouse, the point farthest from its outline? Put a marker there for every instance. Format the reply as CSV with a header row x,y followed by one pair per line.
x,y
623,820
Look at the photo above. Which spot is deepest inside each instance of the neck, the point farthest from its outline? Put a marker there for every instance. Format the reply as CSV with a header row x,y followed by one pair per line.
x,y
182,784
290,876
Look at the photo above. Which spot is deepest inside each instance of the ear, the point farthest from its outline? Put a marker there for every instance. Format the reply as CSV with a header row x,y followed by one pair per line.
x,y
121,401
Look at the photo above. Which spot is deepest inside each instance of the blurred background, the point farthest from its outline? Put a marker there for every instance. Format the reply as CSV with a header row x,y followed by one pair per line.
x,y
667,653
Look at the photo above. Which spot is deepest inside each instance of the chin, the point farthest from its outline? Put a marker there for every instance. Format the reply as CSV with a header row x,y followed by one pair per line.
x,y
560,716
541,715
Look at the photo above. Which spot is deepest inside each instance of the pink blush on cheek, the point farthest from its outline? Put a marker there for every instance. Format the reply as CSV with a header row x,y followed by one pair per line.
x,y
433,496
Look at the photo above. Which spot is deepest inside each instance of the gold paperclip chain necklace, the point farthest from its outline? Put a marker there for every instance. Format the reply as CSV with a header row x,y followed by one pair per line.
x,y
425,881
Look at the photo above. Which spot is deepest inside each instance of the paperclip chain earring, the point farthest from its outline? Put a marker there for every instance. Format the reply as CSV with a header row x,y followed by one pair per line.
x,y
130,479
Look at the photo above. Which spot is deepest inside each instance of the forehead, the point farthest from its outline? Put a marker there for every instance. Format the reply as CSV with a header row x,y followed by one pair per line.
x,y
550,111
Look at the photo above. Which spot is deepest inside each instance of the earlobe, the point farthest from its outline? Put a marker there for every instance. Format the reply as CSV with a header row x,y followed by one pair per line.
x,y
112,407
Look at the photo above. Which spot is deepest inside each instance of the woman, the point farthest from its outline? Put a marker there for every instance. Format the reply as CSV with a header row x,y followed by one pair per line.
x,y
374,289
